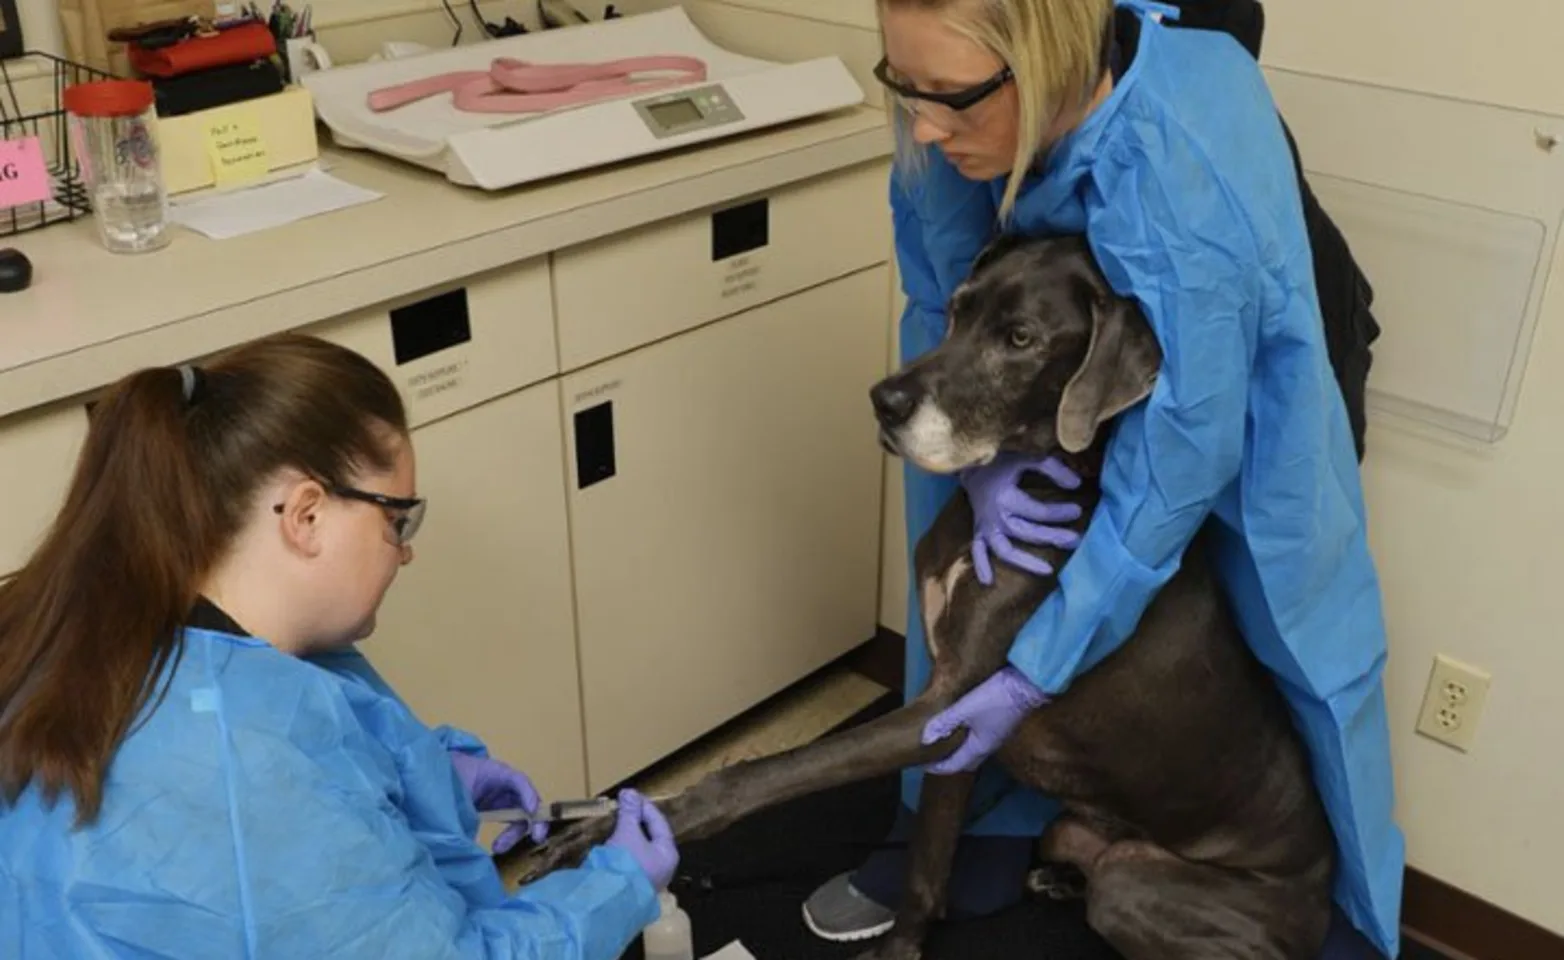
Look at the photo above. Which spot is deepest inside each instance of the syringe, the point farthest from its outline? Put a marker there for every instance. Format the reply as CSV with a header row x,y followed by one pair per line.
x,y
556,812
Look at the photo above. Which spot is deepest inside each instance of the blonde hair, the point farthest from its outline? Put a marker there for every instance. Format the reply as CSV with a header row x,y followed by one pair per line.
x,y
1053,48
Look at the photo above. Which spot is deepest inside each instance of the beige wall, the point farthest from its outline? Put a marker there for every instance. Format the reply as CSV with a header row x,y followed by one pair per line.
x,y
40,25
354,29
1466,539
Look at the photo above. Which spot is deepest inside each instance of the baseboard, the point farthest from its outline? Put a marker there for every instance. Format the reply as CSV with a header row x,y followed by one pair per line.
x,y
1444,917
1455,921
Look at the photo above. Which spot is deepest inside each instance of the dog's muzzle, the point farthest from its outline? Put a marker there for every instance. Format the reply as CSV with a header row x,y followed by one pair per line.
x,y
895,401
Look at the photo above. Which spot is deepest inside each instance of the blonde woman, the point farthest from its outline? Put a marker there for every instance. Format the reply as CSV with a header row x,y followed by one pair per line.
x,y
1164,148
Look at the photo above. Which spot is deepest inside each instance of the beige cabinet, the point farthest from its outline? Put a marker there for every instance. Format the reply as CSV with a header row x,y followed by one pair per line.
x,y
654,483
725,516
635,288
462,344
478,631
38,451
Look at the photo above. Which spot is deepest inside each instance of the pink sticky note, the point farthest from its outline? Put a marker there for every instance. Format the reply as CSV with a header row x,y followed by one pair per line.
x,y
24,178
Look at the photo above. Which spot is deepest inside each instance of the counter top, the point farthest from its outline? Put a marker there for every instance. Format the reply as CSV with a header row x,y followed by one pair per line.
x,y
92,316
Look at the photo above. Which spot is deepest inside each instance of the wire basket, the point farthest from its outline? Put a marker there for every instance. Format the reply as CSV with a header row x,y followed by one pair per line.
x,y
32,105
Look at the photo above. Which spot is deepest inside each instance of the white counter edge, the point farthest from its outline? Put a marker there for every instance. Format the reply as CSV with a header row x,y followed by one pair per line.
x,y
80,372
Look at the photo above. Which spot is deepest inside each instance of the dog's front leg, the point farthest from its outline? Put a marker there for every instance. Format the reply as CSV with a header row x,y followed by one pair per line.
x,y
942,807
877,748
724,797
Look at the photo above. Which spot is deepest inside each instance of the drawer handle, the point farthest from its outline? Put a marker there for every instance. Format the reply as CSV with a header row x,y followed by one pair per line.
x,y
740,229
429,326
595,445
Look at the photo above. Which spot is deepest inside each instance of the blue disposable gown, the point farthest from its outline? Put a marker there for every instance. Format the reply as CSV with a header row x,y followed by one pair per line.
x,y
276,807
1184,186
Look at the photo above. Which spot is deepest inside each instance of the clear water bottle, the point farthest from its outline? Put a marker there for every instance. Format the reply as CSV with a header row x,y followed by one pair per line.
x,y
113,132
668,937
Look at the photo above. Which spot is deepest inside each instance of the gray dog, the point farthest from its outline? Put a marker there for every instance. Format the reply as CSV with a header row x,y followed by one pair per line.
x,y
1188,801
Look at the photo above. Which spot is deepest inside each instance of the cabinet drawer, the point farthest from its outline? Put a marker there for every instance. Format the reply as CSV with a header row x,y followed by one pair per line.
x,y
38,451
641,286
725,516
479,630
452,348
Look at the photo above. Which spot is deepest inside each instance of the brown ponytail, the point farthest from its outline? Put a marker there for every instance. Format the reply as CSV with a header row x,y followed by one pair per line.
x,y
163,484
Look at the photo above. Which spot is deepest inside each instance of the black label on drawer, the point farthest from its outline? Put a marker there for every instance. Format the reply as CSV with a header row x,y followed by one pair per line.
x,y
431,325
740,229
594,445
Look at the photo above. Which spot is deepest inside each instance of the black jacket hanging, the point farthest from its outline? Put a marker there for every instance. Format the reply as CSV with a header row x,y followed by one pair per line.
x,y
1346,297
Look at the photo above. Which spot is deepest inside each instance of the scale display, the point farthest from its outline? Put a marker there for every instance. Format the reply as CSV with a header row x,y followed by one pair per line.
x,y
675,113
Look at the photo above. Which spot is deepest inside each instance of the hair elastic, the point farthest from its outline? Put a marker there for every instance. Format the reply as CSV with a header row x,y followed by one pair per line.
x,y
190,380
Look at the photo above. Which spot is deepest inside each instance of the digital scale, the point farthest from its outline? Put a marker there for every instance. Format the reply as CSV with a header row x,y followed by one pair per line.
x,y
498,151
700,109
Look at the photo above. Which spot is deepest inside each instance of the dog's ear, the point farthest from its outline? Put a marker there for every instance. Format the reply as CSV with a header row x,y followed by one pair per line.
x,y
997,246
1119,371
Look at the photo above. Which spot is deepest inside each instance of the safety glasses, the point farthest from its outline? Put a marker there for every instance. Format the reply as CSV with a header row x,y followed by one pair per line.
x,y
404,515
955,101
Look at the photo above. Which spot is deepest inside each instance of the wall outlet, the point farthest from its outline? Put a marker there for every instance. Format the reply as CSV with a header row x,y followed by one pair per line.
x,y
1453,703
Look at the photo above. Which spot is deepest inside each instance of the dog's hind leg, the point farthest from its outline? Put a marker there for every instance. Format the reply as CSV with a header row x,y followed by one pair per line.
x,y
1075,840
942,807
1151,905
1069,848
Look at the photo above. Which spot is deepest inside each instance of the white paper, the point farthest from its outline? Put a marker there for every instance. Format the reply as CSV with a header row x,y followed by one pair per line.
x,y
222,216
733,951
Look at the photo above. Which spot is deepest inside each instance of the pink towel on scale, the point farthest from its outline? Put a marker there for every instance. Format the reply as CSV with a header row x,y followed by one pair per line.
x,y
516,86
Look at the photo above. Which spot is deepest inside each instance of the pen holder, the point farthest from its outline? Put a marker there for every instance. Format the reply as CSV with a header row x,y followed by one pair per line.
x,y
302,56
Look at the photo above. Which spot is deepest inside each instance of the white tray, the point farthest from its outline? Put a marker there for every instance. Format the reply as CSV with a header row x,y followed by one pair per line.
x,y
495,152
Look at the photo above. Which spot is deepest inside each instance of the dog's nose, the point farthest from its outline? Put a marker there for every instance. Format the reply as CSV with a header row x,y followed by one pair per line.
x,y
894,402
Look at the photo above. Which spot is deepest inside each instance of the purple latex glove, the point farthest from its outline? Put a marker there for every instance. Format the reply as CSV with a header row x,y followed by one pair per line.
x,y
645,835
493,785
991,712
1002,511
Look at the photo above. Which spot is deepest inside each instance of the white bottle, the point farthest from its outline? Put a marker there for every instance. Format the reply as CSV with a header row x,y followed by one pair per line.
x,y
668,937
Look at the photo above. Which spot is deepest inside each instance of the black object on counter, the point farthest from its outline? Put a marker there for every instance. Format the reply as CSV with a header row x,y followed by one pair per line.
x,y
16,271
216,87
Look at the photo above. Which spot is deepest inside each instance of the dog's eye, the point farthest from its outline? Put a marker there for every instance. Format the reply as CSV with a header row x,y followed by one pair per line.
x,y
1020,338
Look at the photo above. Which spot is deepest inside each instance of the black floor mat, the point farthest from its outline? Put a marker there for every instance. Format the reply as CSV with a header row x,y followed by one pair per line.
x,y
750,884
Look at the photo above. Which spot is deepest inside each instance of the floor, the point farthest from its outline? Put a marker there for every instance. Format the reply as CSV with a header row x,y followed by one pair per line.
x,y
793,719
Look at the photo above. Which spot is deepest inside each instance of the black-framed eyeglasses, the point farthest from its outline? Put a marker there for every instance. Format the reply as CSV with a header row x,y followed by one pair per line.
x,y
404,515
957,100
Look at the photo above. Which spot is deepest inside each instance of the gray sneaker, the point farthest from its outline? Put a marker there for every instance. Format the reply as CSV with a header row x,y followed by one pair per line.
x,y
840,913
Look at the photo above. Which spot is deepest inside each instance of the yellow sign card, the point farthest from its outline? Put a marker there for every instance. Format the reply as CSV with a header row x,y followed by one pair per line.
x,y
236,148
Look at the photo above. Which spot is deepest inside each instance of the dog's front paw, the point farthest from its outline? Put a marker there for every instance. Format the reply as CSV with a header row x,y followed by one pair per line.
x,y
566,848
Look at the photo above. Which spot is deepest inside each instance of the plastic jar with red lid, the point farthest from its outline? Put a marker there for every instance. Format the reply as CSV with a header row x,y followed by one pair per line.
x,y
113,133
